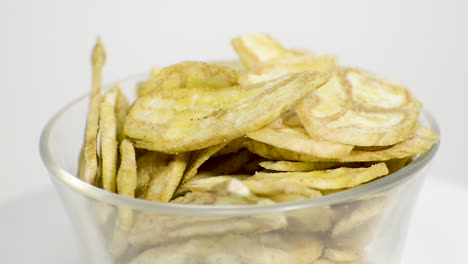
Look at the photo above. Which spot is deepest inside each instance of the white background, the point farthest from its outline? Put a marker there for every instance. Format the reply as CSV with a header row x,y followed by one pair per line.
x,y
45,58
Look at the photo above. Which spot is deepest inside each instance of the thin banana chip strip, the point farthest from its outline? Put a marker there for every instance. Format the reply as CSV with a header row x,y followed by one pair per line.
x,y
327,179
420,142
127,175
193,119
108,124
297,165
287,132
255,48
88,163
163,184
148,165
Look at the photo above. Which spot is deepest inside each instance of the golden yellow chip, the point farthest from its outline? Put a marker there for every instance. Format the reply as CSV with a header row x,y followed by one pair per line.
x,y
179,120
88,164
145,87
327,179
419,142
191,74
152,229
255,48
148,165
297,165
197,159
121,110
127,174
287,132
289,63
164,182
108,124
273,189
360,109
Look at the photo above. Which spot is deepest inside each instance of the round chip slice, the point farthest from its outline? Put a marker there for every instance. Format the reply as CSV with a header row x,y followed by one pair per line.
x,y
359,108
179,120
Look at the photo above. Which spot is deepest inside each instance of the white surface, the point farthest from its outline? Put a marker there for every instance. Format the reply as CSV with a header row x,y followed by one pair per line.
x,y
45,47
438,232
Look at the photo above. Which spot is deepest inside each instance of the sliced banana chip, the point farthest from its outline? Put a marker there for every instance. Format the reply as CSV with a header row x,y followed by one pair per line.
x,y
108,124
272,189
126,185
419,142
198,158
149,165
361,214
181,120
164,182
360,109
291,62
327,179
127,175
152,229
255,48
229,249
88,164
205,183
298,165
145,87
191,74
121,110
305,246
287,132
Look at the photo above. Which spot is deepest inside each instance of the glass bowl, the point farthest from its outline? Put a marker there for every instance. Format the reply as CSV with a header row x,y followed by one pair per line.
x,y
366,224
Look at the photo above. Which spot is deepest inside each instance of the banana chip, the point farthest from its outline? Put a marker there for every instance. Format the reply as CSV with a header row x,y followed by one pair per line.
x,y
365,211
190,74
287,132
298,165
360,109
145,87
164,182
420,142
126,185
148,165
152,229
88,163
255,48
275,68
306,246
198,158
121,110
127,174
181,120
327,179
229,249
108,124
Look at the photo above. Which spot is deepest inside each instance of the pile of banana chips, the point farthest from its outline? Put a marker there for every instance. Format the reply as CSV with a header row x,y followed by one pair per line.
x,y
278,125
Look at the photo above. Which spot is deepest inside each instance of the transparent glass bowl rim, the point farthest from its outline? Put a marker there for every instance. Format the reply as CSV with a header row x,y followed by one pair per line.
x,y
101,195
